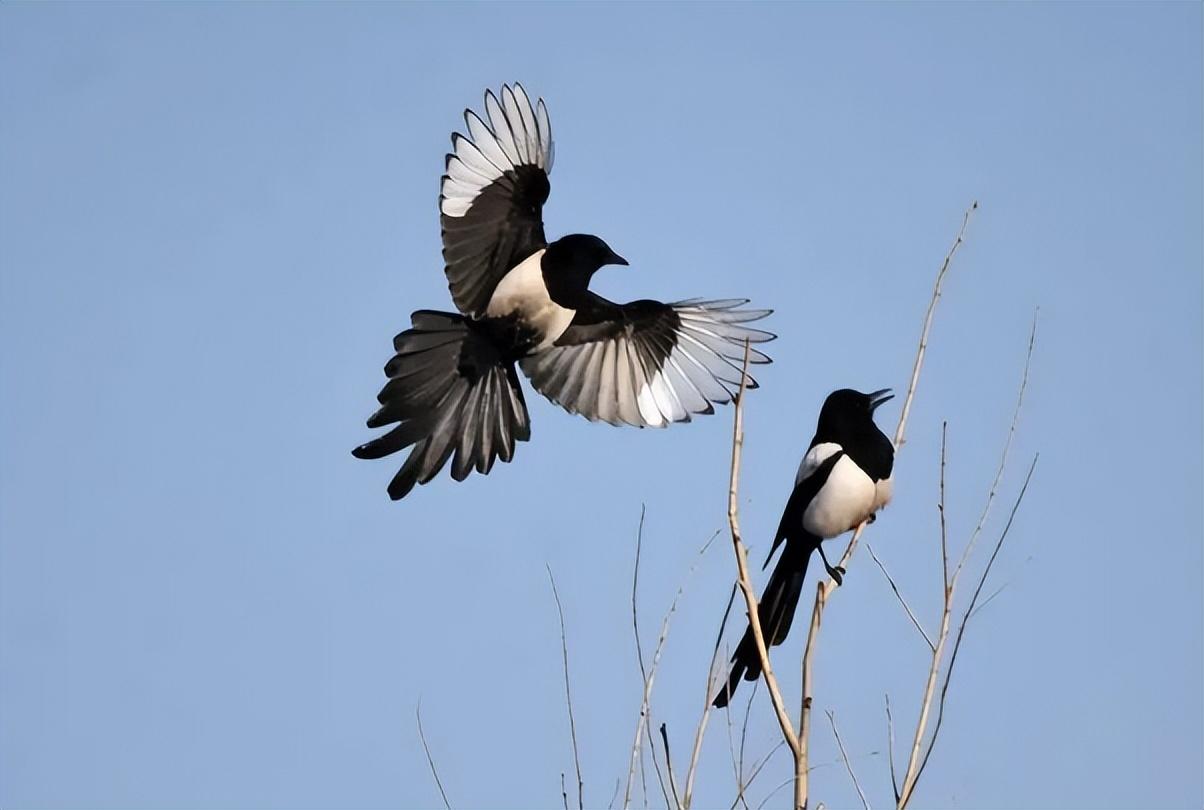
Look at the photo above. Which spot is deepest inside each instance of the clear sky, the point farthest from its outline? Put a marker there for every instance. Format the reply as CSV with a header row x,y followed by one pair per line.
x,y
213,219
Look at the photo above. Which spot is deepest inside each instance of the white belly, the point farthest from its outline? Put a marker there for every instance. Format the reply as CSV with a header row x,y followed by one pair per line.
x,y
845,500
522,293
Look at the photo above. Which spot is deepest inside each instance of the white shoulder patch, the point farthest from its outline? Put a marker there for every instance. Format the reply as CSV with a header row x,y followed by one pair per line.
x,y
815,456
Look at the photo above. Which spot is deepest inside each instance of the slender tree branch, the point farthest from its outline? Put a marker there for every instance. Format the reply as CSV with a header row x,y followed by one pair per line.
x,y
430,759
758,766
706,702
568,697
899,596
921,748
1007,446
644,680
848,765
800,763
936,295
957,643
948,589
890,749
746,586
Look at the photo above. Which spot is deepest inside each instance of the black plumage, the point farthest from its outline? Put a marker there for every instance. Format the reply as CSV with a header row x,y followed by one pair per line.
x,y
453,392
843,480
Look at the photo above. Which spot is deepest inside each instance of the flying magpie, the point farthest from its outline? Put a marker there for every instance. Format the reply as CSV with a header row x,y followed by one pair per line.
x,y
843,480
452,391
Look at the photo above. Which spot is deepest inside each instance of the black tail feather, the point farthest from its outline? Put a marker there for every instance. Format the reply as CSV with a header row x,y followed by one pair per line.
x,y
776,612
452,394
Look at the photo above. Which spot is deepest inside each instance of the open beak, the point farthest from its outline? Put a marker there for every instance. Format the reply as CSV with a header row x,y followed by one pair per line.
x,y
878,397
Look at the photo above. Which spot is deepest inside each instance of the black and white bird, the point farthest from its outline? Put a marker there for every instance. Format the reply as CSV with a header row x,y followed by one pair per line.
x,y
453,392
843,480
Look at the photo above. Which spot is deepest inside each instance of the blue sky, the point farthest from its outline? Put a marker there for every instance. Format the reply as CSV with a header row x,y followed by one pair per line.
x,y
213,219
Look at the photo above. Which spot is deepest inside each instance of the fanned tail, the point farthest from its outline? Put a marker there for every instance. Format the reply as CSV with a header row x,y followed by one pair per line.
x,y
449,392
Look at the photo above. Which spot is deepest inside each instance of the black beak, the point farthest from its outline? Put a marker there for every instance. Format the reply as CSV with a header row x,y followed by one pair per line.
x,y
615,258
878,397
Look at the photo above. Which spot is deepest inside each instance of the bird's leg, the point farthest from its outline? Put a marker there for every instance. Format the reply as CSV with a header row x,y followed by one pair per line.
x,y
836,572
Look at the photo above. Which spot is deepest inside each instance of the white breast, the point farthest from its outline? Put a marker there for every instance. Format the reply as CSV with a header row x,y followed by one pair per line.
x,y
522,293
843,502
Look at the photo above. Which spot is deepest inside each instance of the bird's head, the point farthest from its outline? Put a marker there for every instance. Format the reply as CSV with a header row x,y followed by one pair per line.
x,y
582,253
847,409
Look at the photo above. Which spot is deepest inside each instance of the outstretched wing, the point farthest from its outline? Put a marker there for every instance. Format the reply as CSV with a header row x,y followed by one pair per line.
x,y
646,363
492,196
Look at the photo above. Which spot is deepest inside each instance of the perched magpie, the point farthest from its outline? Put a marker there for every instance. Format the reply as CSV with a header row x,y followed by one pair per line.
x,y
843,480
453,392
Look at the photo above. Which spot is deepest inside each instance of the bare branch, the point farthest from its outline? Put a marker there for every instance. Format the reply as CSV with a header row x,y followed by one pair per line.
x,y
645,706
568,697
760,764
706,702
899,596
430,760
848,766
800,762
957,643
1007,446
941,509
890,748
564,792
936,295
938,651
916,761
750,598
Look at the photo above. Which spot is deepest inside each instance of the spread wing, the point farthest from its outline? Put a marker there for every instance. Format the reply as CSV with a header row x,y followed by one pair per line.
x,y
646,363
491,199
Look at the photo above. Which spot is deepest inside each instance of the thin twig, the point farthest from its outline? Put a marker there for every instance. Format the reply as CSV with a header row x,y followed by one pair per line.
x,y
890,748
760,764
737,767
938,652
1007,446
645,706
430,759
639,652
774,792
615,794
706,703
741,785
848,765
750,598
899,596
564,792
941,510
568,697
921,750
936,295
957,643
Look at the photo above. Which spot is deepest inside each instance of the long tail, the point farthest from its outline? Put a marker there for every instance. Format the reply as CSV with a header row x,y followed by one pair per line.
x,y
776,611
451,392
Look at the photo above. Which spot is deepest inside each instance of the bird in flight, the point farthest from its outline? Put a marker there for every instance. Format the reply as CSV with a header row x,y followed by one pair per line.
x,y
843,480
452,390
